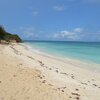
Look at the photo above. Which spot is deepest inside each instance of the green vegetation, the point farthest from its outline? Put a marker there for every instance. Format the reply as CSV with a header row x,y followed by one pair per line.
x,y
8,37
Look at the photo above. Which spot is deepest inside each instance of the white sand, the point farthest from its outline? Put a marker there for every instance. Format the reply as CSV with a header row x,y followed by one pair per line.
x,y
26,75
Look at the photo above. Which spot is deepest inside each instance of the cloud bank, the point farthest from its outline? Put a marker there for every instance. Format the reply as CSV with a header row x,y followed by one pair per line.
x,y
77,34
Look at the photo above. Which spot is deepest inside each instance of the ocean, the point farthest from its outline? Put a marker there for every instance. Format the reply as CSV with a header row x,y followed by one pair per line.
x,y
85,51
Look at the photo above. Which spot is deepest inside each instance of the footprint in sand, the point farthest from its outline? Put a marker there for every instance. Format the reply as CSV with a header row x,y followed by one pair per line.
x,y
57,71
64,73
89,81
31,57
84,83
50,68
42,64
50,84
72,77
77,89
14,75
20,64
39,76
44,81
75,94
77,98
99,87
95,85
62,90
70,97
0,81
58,88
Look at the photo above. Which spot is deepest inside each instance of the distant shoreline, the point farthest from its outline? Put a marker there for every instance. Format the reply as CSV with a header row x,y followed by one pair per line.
x,y
61,41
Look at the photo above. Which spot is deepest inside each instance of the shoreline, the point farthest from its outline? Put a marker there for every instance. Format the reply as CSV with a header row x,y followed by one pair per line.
x,y
78,58
92,65
62,80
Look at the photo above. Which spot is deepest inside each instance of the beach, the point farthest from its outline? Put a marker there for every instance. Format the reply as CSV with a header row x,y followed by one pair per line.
x,y
29,75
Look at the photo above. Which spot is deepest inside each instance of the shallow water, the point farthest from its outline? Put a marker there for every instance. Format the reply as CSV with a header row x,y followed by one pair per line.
x,y
86,51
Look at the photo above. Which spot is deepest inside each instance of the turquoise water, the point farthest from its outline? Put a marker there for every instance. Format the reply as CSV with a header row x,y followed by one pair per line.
x,y
87,51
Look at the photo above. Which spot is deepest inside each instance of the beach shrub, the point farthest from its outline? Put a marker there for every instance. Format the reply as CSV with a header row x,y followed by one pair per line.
x,y
8,36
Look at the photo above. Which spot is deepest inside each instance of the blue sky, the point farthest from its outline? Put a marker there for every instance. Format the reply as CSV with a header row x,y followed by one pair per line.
x,y
68,20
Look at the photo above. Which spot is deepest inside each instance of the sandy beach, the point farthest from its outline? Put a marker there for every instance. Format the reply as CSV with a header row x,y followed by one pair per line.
x,y
28,75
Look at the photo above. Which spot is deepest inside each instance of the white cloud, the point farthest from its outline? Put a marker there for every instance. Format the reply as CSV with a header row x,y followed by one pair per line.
x,y
67,34
59,8
78,29
35,13
75,34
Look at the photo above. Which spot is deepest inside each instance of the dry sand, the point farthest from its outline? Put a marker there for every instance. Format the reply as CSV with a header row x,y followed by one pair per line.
x,y
26,75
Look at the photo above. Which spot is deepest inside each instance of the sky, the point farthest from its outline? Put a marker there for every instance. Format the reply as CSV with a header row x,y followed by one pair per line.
x,y
61,20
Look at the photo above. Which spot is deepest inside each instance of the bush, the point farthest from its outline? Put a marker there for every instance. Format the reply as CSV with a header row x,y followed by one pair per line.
x,y
8,36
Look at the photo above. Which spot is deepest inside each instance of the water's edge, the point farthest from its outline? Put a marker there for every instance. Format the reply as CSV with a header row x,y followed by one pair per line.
x,y
85,64
88,52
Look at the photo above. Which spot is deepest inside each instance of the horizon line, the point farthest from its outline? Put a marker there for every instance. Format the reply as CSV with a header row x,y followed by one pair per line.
x,y
58,41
